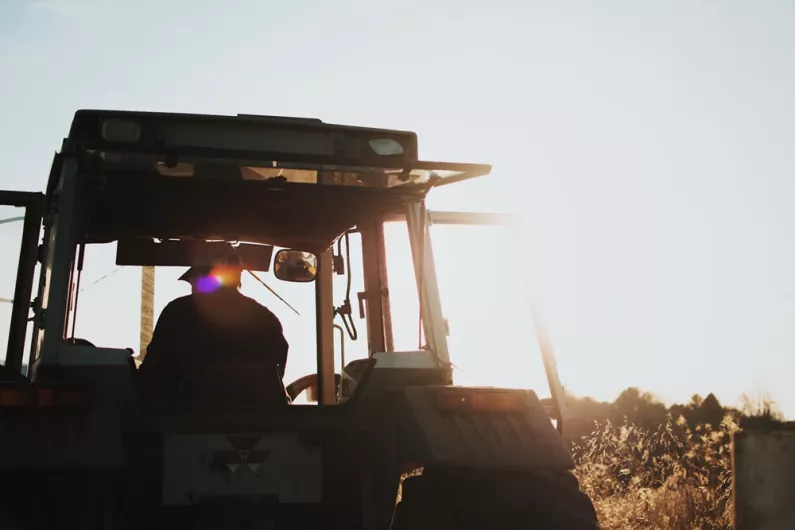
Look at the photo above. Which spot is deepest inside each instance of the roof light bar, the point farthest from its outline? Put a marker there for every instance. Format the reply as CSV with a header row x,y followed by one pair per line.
x,y
120,130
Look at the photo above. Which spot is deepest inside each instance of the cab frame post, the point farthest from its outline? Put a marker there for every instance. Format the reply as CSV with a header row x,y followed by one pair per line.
x,y
324,314
383,277
31,228
373,291
427,286
56,284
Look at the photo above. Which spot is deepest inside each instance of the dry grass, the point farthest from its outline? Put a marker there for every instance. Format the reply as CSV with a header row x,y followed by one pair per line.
x,y
672,478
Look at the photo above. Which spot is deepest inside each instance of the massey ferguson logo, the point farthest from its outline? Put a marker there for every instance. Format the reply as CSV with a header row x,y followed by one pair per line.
x,y
242,455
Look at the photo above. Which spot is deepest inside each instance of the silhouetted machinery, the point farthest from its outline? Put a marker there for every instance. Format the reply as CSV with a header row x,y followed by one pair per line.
x,y
79,448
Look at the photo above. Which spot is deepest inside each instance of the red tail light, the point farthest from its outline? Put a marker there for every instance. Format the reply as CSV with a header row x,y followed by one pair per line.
x,y
15,396
30,396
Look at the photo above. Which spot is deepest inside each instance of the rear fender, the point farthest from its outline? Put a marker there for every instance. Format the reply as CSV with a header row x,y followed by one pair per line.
x,y
88,436
477,427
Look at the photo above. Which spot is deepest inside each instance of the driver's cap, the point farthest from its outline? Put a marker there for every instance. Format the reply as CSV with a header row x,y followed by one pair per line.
x,y
195,272
224,261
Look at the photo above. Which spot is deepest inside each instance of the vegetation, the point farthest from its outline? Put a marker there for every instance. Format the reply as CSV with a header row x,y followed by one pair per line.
x,y
646,466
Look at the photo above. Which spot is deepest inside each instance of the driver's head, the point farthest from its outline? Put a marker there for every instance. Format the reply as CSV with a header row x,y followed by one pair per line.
x,y
223,272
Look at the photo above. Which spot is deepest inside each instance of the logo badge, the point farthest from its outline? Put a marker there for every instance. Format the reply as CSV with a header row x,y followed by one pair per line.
x,y
243,455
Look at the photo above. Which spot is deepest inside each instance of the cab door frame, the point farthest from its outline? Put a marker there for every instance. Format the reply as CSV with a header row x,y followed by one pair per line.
x,y
34,204
422,224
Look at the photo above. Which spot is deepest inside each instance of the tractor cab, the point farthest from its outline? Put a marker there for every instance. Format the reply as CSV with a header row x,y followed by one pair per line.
x,y
307,208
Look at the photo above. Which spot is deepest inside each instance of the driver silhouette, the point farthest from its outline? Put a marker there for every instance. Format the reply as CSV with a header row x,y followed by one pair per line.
x,y
216,344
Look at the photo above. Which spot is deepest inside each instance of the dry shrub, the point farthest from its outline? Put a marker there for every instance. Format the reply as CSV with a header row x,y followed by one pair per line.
x,y
672,478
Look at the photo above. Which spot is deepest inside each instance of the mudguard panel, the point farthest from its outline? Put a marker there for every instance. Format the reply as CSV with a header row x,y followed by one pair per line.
x,y
520,435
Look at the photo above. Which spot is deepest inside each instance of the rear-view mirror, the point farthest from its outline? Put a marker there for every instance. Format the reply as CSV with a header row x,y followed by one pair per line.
x,y
295,266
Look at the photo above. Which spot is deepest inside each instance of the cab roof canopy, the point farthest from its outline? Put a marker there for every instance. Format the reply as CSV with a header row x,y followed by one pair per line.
x,y
291,182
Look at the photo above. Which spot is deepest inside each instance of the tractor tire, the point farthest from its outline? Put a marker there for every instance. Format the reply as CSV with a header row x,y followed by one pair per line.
x,y
468,499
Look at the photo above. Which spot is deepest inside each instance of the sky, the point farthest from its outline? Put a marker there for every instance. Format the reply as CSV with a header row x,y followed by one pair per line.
x,y
647,147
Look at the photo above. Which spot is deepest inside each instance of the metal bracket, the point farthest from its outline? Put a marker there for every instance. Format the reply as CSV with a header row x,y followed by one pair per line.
x,y
368,295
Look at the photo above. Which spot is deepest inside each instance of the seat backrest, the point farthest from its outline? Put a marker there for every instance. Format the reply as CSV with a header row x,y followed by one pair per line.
x,y
227,383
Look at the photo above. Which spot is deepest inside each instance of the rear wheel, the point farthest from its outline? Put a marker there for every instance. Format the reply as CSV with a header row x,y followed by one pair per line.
x,y
477,499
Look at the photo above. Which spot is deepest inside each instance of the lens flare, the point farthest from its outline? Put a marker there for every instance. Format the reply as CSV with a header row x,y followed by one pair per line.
x,y
208,284
216,278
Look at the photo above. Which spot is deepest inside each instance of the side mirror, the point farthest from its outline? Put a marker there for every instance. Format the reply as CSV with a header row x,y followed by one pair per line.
x,y
295,266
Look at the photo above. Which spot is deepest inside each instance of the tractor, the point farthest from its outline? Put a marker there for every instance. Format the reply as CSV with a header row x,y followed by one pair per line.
x,y
386,441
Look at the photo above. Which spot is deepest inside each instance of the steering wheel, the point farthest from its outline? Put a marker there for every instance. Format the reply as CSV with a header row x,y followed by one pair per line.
x,y
301,384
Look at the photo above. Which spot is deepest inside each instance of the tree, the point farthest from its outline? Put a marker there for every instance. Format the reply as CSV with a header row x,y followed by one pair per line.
x,y
642,408
711,411
695,401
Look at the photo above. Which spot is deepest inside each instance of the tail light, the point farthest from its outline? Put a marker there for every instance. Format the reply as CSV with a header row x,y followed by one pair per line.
x,y
30,396
481,400
16,396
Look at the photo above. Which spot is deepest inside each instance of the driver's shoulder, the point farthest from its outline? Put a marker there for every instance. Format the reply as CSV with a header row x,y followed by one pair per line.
x,y
257,306
182,301
178,305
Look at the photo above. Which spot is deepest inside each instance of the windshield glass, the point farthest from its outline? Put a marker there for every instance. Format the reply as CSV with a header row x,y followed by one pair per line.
x,y
481,272
109,306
